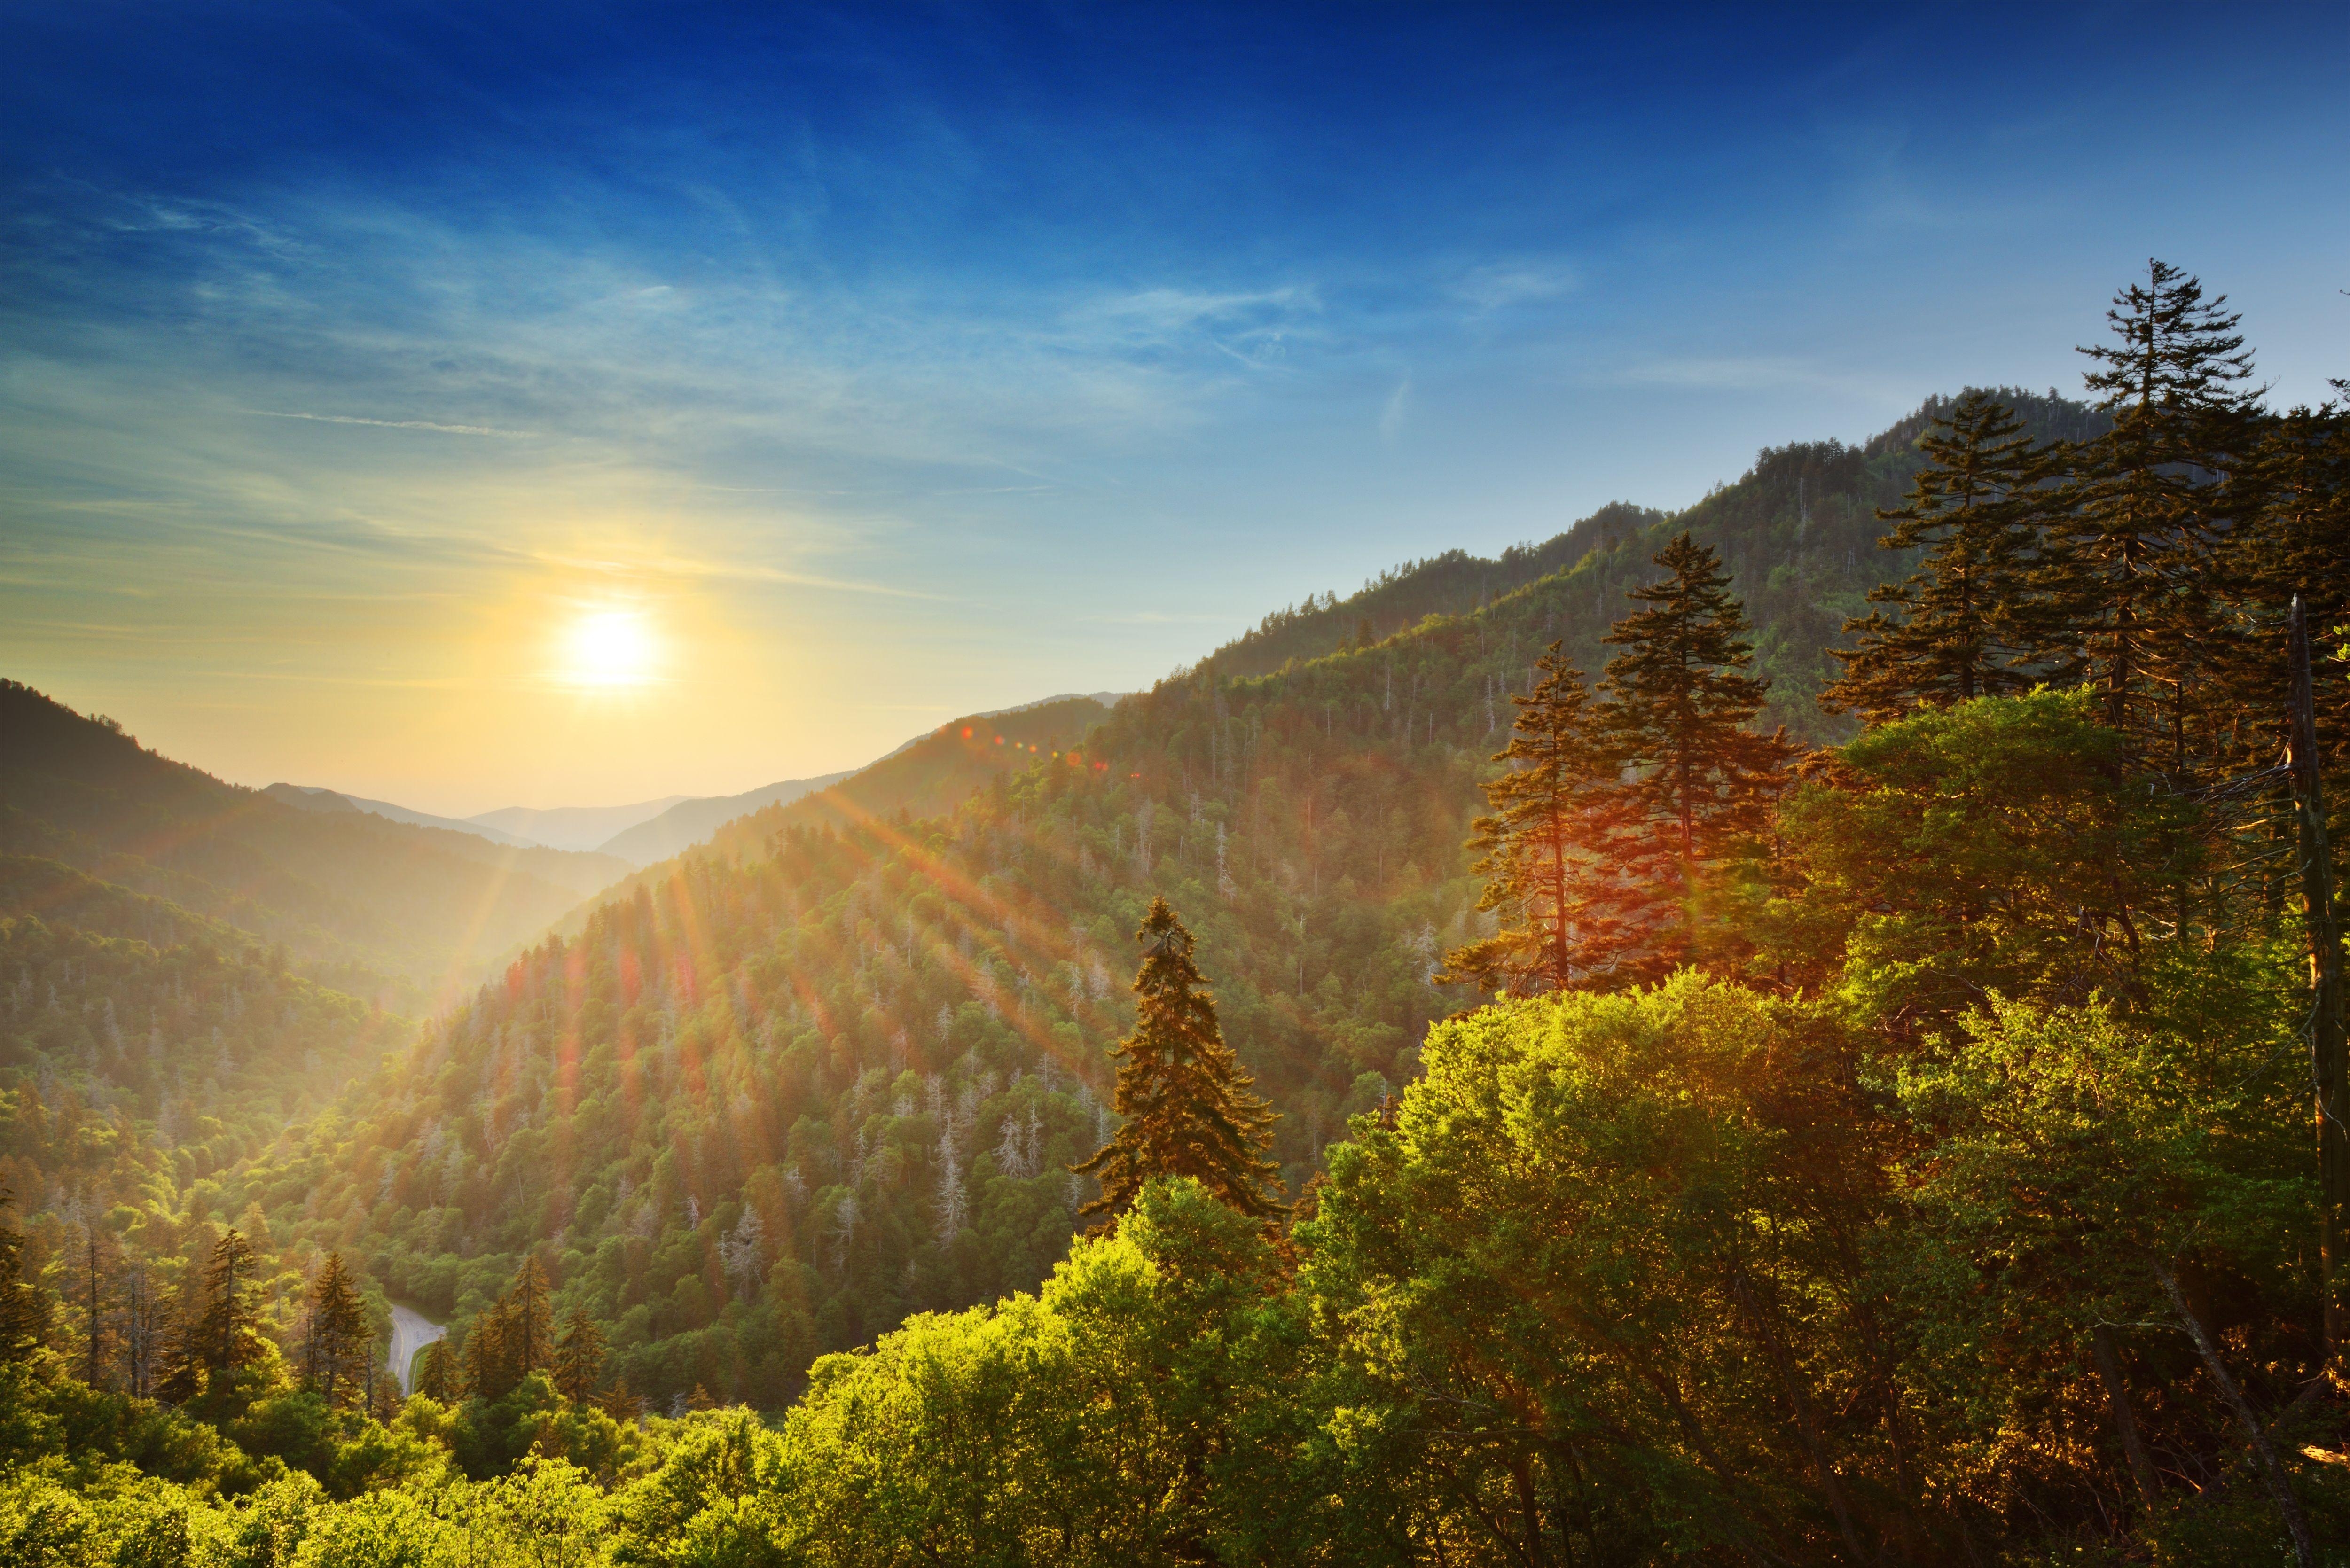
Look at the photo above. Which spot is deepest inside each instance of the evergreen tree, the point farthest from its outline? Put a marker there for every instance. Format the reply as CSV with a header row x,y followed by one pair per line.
x,y
1967,624
2300,544
1191,1108
485,1373
529,1328
618,1403
579,1357
439,1377
513,1338
1567,862
24,1306
227,1334
1680,699
339,1342
2147,504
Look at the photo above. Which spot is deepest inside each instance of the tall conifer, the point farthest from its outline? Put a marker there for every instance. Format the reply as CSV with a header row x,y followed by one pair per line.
x,y
23,1308
227,1335
1968,623
2147,505
1680,699
579,1357
337,1346
439,1377
1567,865
1191,1108
514,1337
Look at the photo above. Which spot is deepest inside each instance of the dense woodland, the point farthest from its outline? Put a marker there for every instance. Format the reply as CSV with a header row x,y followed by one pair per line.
x,y
1710,1038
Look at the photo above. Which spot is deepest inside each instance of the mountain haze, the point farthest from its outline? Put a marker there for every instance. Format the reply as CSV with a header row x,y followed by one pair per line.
x,y
583,871
689,821
573,827
414,907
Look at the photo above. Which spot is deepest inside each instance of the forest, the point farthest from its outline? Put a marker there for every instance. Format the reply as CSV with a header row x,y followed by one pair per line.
x,y
1804,1030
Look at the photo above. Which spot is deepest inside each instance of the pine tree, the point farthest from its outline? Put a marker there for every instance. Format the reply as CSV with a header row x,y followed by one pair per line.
x,y
618,1403
2147,505
512,1338
1191,1108
439,1377
487,1369
1567,862
24,1306
1968,624
339,1342
227,1335
1680,699
579,1357
2299,545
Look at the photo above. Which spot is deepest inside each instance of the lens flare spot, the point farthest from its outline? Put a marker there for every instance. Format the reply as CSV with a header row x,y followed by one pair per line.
x,y
610,648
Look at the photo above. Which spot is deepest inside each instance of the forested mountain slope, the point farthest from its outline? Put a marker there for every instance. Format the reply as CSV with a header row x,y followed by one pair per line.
x,y
873,1019
583,871
689,821
1912,1173
421,905
1799,529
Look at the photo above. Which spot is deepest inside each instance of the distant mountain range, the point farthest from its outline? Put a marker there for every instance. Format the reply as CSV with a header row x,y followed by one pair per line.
x,y
373,904
572,826
653,830
689,821
318,797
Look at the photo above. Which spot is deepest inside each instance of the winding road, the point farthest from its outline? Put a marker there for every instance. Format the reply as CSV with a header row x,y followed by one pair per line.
x,y
410,1332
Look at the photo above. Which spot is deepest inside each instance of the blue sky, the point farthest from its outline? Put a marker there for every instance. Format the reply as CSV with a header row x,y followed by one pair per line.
x,y
889,362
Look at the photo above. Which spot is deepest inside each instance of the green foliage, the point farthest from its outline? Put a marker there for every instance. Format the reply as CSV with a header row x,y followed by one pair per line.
x,y
1960,1211
1997,847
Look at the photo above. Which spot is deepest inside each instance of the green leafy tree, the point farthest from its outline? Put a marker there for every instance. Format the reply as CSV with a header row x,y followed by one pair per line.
x,y
1567,862
1680,699
1589,1323
2090,1178
1969,623
1189,1106
2000,846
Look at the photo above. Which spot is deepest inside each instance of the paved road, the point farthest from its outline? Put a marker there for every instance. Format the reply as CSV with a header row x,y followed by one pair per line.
x,y
410,1333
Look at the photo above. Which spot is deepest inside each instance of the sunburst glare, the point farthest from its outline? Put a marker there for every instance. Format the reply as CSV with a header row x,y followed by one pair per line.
x,y
610,648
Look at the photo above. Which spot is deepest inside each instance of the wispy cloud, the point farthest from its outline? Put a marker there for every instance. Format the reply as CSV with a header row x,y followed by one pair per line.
x,y
1501,285
397,424
1398,404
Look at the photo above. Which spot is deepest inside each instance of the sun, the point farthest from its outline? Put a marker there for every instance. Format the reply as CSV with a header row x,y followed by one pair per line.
x,y
610,648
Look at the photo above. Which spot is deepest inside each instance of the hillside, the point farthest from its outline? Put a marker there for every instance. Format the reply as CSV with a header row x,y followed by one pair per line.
x,y
1799,530
781,1093
583,827
873,1020
689,821
417,906
583,871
